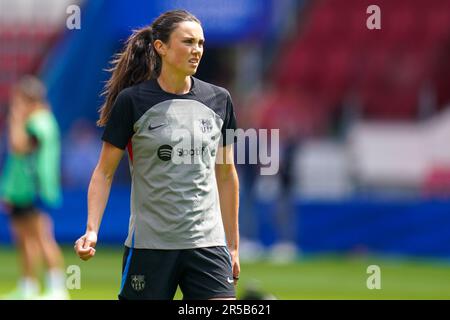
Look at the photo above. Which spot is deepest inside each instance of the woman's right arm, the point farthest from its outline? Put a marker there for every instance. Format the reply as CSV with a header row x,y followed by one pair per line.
x,y
98,195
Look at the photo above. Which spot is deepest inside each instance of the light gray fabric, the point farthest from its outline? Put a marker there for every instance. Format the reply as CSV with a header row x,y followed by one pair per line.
x,y
173,205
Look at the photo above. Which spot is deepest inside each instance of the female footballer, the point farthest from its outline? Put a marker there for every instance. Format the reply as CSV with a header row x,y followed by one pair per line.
x,y
183,228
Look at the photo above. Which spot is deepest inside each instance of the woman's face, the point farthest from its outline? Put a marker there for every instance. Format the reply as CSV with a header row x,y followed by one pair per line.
x,y
184,50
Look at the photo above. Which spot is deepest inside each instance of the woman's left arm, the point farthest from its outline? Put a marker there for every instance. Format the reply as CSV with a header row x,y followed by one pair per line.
x,y
228,186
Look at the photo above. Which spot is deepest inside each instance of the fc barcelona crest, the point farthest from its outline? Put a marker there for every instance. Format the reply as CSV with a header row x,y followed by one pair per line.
x,y
206,125
138,282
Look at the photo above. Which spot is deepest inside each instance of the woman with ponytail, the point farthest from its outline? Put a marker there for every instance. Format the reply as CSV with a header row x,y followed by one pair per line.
x,y
183,228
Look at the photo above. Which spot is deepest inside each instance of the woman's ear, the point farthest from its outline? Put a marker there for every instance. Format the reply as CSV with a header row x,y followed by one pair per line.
x,y
160,47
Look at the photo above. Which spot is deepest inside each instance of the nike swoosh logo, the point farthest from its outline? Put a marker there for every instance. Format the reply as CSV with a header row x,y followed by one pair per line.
x,y
155,127
230,280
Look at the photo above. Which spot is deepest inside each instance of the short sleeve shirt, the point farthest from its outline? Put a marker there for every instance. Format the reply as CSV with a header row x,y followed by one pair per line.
x,y
33,177
172,142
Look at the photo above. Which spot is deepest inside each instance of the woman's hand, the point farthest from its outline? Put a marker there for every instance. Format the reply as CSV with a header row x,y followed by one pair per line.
x,y
235,264
85,246
18,114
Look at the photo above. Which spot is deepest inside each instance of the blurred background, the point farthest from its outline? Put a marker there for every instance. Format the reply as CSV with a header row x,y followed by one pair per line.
x,y
364,119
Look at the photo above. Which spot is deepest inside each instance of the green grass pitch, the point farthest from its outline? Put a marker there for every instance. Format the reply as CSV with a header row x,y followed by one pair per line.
x,y
313,277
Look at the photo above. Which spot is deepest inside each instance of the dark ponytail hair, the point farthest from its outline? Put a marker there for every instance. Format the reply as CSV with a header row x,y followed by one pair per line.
x,y
139,60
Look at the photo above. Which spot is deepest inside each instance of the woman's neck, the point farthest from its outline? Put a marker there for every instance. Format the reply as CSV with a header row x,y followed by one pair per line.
x,y
37,107
173,83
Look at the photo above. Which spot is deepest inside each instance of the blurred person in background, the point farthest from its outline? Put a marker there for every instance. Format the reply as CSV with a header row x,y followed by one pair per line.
x,y
30,186
183,227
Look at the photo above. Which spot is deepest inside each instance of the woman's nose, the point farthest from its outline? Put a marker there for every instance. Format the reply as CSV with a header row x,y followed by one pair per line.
x,y
196,49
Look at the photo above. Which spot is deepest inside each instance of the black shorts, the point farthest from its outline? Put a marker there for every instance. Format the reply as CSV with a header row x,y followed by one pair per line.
x,y
201,273
19,212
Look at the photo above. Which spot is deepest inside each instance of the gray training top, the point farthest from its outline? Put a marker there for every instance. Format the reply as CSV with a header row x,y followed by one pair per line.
x,y
172,142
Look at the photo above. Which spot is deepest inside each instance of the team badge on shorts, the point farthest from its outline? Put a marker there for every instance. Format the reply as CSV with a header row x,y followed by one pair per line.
x,y
138,282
